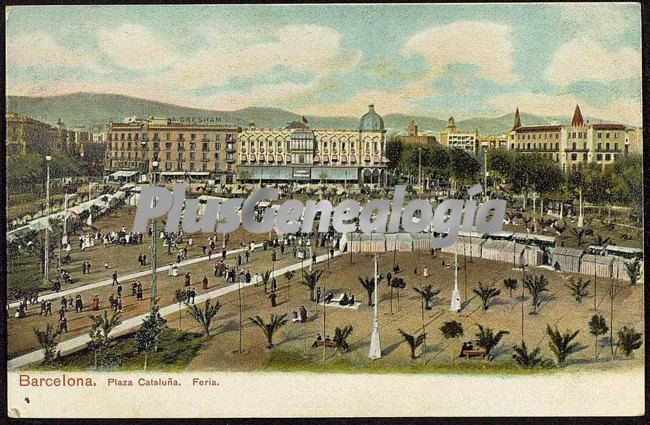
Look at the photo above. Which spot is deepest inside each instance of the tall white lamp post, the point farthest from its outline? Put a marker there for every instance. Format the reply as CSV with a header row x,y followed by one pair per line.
x,y
375,346
47,219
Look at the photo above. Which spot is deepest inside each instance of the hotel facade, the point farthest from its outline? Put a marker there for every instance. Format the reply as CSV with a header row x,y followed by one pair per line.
x,y
183,151
297,153
575,144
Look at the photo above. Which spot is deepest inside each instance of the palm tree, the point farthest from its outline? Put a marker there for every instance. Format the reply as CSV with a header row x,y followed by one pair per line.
x,y
487,339
341,336
204,316
452,330
536,285
266,276
311,280
597,327
561,345
275,322
428,294
100,330
486,294
398,283
510,284
579,288
47,339
413,341
368,284
628,340
525,359
633,270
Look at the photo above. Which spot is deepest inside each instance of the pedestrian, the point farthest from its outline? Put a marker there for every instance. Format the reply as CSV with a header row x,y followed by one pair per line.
x,y
119,290
83,268
210,255
63,324
78,304
191,294
205,282
88,267
96,302
64,303
43,310
140,259
426,272
134,288
139,292
114,278
119,304
106,265
187,279
48,308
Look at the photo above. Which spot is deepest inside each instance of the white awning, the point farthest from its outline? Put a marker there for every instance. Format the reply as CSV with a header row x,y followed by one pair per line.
x,y
124,173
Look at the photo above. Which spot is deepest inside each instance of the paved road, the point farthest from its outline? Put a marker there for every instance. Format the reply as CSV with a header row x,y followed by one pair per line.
x,y
129,325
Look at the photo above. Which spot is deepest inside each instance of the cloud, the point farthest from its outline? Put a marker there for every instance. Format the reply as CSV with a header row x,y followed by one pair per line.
x,y
584,59
626,111
486,45
134,46
39,49
599,21
300,48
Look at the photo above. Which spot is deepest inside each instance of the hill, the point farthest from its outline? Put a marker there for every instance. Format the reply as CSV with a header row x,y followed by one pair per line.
x,y
89,110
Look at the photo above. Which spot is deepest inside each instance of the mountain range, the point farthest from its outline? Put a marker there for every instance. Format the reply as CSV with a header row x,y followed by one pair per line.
x,y
91,111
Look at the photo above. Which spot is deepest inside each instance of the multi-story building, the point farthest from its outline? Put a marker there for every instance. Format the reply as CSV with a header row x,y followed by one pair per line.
x,y
412,136
454,138
183,151
495,141
301,154
26,135
571,145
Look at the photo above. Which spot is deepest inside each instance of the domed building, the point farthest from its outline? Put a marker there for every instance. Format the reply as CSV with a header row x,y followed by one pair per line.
x,y
297,153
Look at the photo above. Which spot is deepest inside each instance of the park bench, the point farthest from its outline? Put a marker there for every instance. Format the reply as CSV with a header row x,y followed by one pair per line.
x,y
319,343
472,353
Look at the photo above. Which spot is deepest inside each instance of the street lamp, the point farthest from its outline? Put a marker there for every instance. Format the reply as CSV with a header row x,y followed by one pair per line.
x,y
154,236
47,219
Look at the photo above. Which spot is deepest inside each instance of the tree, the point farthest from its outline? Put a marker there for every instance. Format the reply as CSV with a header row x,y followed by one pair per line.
x,y
145,339
487,339
525,359
266,276
269,329
560,344
100,340
289,274
368,284
340,337
601,240
413,341
579,234
205,316
428,294
452,330
510,284
486,294
597,327
536,285
47,339
633,270
181,297
628,340
311,280
578,288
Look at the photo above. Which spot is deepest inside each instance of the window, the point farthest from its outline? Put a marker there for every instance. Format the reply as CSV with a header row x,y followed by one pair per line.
x,y
574,157
599,157
607,146
608,157
167,136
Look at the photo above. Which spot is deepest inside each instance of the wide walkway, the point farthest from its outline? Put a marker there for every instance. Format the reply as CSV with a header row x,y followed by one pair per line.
x,y
129,325
124,278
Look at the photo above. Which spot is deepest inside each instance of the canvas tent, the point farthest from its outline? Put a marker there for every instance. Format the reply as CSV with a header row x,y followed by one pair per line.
x,y
597,265
567,259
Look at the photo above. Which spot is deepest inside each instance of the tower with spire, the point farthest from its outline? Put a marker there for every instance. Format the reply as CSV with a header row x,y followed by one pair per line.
x,y
577,120
517,122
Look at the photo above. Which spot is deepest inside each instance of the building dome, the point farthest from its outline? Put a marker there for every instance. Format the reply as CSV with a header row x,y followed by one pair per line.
x,y
371,121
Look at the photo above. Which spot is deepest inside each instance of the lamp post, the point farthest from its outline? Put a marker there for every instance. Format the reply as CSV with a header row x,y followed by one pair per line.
x,y
154,237
47,218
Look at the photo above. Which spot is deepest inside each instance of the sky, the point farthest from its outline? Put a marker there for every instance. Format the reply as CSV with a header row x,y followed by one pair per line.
x,y
465,60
